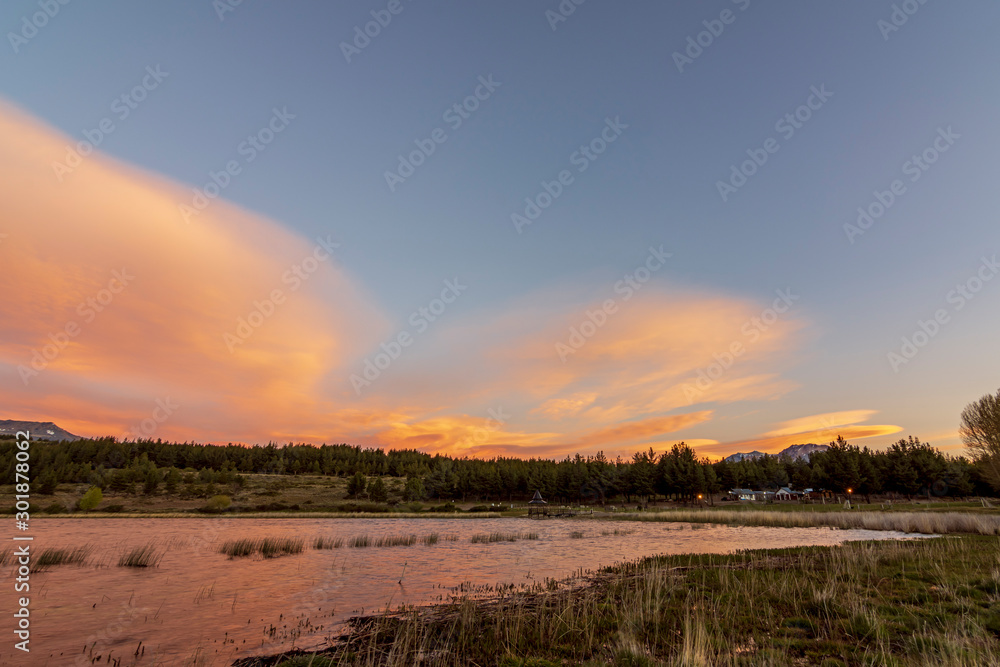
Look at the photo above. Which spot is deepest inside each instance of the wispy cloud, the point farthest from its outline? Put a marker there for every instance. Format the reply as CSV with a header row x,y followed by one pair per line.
x,y
193,284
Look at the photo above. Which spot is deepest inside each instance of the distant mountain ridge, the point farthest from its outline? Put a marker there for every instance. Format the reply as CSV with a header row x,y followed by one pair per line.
x,y
742,456
38,430
794,451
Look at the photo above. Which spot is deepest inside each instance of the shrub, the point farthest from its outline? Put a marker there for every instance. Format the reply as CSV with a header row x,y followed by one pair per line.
x,y
446,507
91,499
217,504
356,485
377,490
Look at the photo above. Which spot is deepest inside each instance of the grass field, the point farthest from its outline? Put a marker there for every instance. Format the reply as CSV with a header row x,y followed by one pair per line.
x,y
925,522
320,495
903,604
260,494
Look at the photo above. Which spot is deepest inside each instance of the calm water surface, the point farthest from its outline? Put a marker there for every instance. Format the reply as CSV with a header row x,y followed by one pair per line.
x,y
200,608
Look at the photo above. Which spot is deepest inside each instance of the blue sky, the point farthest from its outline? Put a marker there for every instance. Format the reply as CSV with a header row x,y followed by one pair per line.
x,y
892,92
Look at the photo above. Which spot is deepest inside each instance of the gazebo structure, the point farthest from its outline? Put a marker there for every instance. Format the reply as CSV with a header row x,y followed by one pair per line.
x,y
537,506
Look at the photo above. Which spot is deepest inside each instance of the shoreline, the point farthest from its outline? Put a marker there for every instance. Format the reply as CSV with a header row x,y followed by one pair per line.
x,y
915,602
907,521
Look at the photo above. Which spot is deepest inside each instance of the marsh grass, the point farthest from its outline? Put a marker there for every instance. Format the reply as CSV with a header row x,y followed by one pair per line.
x,y
902,603
927,523
55,556
577,535
396,541
428,540
266,547
321,542
4,556
489,538
617,531
147,555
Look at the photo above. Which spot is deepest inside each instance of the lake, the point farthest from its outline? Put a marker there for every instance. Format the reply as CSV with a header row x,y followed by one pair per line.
x,y
197,607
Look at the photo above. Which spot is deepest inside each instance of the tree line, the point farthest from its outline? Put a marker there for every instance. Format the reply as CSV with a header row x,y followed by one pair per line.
x,y
907,468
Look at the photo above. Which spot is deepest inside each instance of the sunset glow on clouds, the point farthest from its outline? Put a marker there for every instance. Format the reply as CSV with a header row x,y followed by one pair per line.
x,y
231,328
817,429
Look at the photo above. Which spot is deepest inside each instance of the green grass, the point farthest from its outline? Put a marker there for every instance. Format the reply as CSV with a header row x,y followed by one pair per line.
x,y
900,603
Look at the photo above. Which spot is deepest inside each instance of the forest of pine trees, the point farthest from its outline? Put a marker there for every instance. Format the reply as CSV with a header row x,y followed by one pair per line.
x,y
907,468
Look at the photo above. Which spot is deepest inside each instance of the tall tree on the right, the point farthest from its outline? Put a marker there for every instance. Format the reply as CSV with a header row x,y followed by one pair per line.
x,y
980,432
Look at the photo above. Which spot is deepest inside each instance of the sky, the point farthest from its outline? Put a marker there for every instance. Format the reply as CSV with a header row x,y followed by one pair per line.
x,y
528,228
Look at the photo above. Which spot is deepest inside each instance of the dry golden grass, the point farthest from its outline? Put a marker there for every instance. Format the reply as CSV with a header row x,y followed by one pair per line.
x,y
927,523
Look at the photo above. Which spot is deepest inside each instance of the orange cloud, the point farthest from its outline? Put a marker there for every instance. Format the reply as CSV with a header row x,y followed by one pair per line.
x,y
818,429
123,316
116,302
826,421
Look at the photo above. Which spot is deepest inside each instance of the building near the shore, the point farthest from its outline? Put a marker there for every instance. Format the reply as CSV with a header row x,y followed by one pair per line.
x,y
537,504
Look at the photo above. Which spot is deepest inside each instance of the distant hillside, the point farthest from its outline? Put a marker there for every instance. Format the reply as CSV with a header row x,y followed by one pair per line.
x,y
803,451
741,456
38,430
793,451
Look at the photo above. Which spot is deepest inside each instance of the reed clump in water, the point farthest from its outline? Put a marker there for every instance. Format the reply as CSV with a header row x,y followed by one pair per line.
x,y
321,542
147,555
905,603
396,541
617,531
51,557
266,547
489,538
576,535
